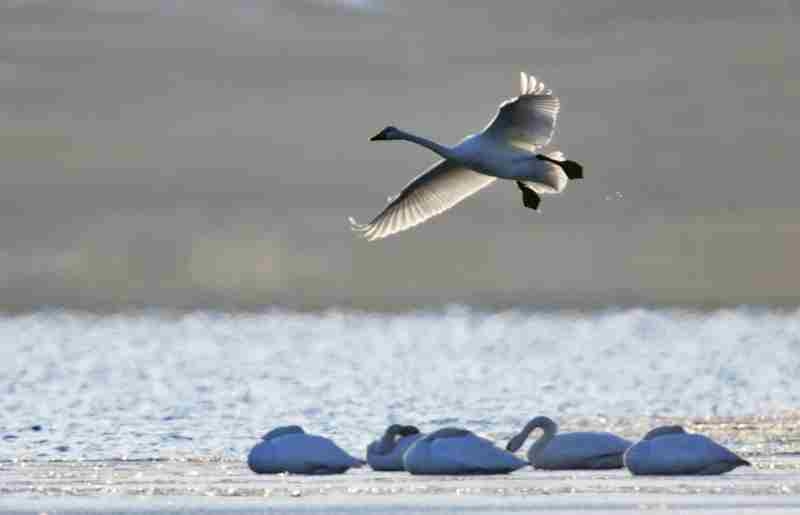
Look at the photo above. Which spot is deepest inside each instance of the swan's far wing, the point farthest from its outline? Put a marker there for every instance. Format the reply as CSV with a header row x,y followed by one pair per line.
x,y
527,121
438,189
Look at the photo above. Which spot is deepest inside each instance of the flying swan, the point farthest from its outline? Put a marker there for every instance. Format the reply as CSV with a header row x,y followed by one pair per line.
x,y
387,452
670,450
570,451
510,147
290,449
454,451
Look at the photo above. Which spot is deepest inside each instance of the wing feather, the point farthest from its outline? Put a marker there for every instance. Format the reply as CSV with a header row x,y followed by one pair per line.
x,y
529,120
439,188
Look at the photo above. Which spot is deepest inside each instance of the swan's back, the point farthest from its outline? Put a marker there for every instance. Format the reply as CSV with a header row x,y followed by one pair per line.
x,y
664,430
317,450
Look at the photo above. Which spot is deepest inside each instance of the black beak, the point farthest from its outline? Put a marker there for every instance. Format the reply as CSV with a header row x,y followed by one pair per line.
x,y
378,137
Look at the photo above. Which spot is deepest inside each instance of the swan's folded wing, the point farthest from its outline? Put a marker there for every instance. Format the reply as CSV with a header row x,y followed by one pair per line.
x,y
438,189
527,121
577,448
318,452
474,454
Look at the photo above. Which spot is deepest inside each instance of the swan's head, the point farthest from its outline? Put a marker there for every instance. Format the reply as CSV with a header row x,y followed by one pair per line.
x,y
392,431
388,133
545,423
516,442
408,431
283,431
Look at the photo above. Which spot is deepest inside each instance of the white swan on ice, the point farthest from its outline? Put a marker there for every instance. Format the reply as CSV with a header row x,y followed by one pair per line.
x,y
290,449
455,451
670,450
510,147
570,451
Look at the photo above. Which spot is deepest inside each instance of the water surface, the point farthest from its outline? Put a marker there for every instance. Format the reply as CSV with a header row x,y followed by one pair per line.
x,y
206,385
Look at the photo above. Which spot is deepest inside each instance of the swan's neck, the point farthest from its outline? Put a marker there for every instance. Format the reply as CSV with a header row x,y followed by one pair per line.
x,y
388,441
542,441
548,426
445,152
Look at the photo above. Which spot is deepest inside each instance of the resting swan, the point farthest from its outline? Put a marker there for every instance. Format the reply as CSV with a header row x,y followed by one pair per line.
x,y
290,449
570,451
387,453
670,450
455,451
510,147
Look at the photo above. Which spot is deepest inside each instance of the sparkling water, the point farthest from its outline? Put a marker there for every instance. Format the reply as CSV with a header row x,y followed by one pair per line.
x,y
158,385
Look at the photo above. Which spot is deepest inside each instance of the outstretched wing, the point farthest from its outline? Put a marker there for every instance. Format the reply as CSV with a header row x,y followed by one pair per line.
x,y
438,189
527,121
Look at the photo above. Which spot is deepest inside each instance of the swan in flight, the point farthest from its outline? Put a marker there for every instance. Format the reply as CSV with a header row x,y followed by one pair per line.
x,y
455,451
290,449
670,450
387,452
510,147
570,451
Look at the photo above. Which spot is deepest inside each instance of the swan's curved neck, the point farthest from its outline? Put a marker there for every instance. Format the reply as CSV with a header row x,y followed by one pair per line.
x,y
388,441
445,152
547,425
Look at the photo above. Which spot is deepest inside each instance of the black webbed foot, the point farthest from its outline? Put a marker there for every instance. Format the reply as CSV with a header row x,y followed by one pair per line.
x,y
529,198
571,168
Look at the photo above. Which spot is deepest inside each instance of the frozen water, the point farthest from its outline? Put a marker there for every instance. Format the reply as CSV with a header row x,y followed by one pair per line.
x,y
155,385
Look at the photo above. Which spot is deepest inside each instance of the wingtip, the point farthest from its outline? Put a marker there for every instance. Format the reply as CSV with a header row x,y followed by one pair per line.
x,y
355,226
362,230
530,85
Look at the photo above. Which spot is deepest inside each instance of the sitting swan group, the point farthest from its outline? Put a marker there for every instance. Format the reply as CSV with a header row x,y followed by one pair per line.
x,y
666,450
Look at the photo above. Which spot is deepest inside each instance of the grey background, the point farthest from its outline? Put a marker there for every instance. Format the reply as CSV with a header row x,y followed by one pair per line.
x,y
206,154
